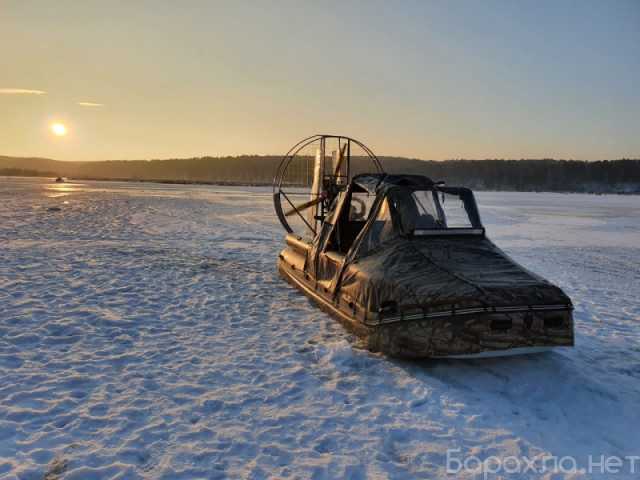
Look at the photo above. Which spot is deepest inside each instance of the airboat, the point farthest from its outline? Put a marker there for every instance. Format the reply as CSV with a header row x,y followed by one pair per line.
x,y
404,261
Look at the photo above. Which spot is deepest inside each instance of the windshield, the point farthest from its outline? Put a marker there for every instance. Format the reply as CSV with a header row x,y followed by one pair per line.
x,y
418,210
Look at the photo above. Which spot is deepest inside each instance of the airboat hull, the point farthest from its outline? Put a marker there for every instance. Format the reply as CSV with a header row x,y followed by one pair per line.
x,y
464,335
404,262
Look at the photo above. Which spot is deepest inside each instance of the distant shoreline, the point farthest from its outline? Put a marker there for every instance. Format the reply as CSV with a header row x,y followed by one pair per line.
x,y
53,177
176,182
223,183
526,175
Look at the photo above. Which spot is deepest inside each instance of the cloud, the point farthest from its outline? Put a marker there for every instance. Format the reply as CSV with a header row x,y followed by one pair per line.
x,y
90,104
20,91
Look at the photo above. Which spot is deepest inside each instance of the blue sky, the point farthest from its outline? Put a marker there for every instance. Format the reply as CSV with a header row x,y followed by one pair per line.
x,y
433,80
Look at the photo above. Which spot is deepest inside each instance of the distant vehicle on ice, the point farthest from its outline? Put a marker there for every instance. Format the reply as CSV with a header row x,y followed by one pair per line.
x,y
404,262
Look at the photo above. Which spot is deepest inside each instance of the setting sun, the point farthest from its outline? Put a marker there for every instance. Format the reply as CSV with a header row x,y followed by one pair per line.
x,y
58,129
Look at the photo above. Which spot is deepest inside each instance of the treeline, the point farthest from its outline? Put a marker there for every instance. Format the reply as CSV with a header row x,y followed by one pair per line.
x,y
22,172
619,176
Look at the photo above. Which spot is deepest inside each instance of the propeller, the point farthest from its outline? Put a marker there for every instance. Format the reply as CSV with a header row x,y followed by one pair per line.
x,y
304,206
340,160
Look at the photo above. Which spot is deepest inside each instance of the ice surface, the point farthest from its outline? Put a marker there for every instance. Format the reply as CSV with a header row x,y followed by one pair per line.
x,y
144,333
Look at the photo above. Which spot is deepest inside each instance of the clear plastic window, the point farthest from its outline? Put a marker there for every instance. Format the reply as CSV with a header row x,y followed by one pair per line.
x,y
381,230
429,216
429,210
416,210
360,207
456,214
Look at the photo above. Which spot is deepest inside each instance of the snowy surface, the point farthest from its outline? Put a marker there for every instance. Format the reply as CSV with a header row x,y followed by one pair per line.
x,y
144,333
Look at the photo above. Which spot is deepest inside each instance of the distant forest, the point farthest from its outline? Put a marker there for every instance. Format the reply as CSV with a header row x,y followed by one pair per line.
x,y
606,176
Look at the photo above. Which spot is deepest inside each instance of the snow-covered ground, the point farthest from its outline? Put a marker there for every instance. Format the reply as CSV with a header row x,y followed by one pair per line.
x,y
145,333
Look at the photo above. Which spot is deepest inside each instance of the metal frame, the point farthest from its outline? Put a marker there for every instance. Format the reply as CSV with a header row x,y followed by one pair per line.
x,y
281,172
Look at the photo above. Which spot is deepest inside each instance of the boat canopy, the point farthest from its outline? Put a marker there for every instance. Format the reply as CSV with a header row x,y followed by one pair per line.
x,y
411,205
374,183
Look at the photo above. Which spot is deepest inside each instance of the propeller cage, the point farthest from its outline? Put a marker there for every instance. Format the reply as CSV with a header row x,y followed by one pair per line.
x,y
310,176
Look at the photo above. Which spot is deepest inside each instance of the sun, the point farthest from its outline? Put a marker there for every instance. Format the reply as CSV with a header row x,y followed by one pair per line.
x,y
59,129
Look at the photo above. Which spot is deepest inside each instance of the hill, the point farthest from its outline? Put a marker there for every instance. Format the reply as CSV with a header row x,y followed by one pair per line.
x,y
606,176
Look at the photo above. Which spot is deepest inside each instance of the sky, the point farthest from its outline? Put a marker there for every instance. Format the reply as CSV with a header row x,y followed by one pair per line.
x,y
421,79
